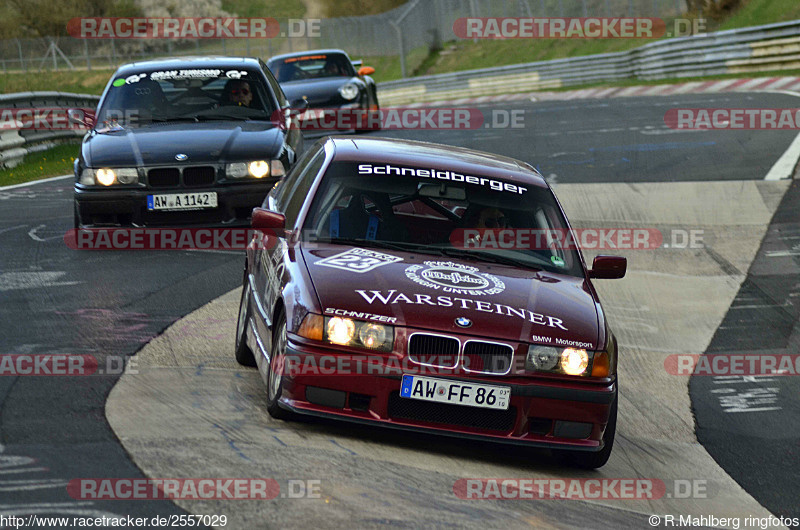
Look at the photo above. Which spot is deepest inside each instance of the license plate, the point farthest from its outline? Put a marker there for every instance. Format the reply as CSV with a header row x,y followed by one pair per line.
x,y
182,201
456,392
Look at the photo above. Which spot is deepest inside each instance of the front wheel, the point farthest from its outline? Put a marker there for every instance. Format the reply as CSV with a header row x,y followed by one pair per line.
x,y
592,460
244,355
275,374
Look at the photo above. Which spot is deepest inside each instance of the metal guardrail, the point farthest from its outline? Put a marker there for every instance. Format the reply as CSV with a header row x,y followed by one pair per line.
x,y
745,50
407,31
16,142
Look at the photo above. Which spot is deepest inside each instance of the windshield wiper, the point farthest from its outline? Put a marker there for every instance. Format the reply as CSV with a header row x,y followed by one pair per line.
x,y
484,256
175,118
377,243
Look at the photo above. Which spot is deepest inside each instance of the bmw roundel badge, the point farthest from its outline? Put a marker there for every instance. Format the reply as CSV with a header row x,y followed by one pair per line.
x,y
463,322
180,157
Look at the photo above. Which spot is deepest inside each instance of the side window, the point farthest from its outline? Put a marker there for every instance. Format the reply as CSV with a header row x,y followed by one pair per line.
x,y
276,88
296,197
287,183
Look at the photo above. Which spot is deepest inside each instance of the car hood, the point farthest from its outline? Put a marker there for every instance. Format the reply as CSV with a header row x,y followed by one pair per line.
x,y
432,292
219,141
316,90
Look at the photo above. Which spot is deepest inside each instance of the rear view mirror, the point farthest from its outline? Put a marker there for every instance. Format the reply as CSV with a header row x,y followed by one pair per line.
x,y
442,191
608,267
366,70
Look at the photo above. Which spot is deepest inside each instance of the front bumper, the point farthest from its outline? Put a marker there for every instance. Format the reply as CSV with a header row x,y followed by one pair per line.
x,y
555,415
100,207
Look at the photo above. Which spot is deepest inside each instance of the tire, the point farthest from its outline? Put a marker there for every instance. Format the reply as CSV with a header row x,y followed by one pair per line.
x,y
369,112
596,460
244,355
274,377
75,215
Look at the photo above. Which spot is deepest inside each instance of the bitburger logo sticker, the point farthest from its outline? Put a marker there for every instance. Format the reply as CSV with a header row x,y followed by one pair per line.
x,y
456,278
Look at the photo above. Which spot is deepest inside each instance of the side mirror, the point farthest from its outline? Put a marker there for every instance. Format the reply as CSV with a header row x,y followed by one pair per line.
x,y
298,107
608,267
81,117
267,220
366,70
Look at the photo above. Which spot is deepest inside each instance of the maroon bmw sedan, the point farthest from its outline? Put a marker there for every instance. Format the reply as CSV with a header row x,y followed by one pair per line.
x,y
429,288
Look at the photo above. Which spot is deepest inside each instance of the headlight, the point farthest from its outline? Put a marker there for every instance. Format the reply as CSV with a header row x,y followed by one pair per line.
x,y
349,332
569,361
349,91
340,330
542,358
127,175
236,170
574,361
105,176
372,335
256,168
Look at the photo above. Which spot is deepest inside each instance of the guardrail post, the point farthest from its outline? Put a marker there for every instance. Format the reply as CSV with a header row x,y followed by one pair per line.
x,y
86,52
22,64
401,47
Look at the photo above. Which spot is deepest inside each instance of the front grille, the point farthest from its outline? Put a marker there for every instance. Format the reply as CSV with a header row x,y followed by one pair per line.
x,y
433,350
163,177
487,357
445,413
198,176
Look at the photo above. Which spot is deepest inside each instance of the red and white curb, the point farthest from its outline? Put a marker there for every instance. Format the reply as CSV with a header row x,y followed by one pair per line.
x,y
759,84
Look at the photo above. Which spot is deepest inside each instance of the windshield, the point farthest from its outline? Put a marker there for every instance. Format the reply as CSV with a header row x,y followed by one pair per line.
x,y
185,95
444,213
312,67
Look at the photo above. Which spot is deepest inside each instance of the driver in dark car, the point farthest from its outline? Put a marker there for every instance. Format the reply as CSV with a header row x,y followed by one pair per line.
x,y
332,69
237,92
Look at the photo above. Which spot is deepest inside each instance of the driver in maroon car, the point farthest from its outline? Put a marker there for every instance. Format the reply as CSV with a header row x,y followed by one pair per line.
x,y
487,218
